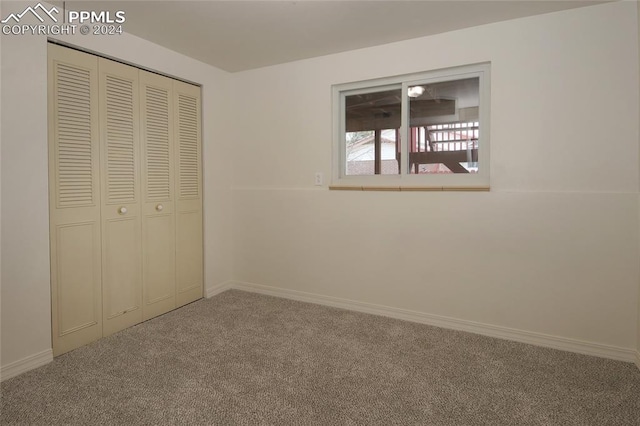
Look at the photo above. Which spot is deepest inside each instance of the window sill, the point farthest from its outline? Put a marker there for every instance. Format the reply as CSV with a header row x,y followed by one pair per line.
x,y
409,188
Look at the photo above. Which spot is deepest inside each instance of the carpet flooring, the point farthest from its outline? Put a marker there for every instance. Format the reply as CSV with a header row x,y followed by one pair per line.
x,y
248,359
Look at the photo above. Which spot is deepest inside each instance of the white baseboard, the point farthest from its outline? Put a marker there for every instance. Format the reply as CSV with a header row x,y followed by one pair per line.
x,y
571,345
212,291
533,338
25,364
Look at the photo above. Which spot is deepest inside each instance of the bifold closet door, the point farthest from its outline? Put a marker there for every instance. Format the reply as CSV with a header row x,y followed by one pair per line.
x,y
121,196
158,207
74,198
125,196
189,241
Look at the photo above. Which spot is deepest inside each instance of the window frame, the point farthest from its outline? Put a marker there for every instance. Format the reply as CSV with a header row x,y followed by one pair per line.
x,y
404,180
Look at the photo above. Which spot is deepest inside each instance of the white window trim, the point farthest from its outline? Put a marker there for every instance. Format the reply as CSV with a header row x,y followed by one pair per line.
x,y
406,181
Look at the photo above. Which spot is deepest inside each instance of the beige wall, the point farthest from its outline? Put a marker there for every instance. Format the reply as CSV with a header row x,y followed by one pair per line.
x,y
26,311
552,249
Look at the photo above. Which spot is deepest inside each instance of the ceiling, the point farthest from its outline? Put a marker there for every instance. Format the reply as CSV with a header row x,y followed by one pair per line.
x,y
241,35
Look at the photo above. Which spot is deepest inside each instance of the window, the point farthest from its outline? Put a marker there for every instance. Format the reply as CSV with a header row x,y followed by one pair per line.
x,y
421,131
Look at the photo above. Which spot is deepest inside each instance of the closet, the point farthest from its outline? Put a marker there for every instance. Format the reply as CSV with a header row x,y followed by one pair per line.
x,y
125,195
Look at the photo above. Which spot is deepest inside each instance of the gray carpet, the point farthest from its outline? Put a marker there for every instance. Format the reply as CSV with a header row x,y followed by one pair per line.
x,y
242,358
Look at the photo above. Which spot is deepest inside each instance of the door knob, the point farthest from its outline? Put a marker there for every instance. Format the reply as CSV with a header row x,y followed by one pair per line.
x,y
122,210
159,207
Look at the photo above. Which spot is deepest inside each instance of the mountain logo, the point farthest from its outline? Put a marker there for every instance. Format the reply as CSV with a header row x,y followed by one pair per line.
x,y
34,11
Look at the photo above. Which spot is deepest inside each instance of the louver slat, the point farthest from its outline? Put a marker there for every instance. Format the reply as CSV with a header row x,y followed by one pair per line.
x,y
157,144
73,134
120,140
189,167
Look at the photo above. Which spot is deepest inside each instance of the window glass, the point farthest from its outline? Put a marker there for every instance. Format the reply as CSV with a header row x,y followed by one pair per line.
x,y
443,127
372,124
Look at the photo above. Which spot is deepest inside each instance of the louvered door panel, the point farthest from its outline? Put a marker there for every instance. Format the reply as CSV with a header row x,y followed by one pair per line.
x,y
74,198
157,125
189,147
120,143
121,211
74,152
158,217
189,252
